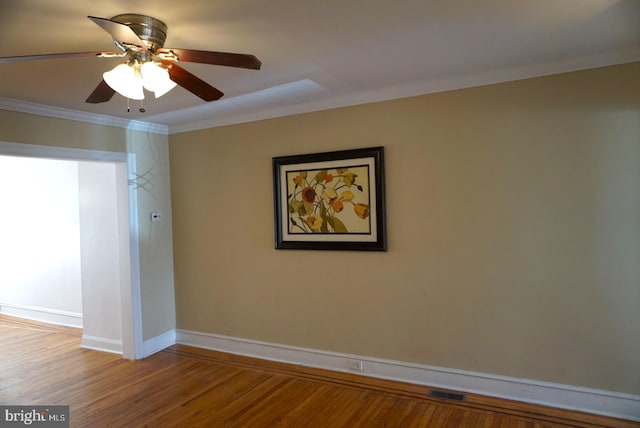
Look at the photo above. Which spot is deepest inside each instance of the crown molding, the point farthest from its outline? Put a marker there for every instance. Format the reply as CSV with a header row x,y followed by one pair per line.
x,y
223,113
81,116
306,96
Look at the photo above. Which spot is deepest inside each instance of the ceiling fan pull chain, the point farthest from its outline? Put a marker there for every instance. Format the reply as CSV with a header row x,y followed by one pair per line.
x,y
128,106
141,109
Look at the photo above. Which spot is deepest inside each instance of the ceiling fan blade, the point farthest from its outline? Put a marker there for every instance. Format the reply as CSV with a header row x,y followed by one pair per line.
x,y
102,93
121,33
215,58
192,83
57,56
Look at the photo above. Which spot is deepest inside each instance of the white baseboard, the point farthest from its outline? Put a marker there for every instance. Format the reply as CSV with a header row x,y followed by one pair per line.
x,y
158,343
36,313
607,403
101,344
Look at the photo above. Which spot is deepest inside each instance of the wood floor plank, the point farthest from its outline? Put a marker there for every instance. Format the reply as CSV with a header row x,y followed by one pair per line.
x,y
190,387
286,398
344,405
303,412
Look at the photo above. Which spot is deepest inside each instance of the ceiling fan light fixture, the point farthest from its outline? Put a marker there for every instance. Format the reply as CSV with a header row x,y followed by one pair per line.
x,y
124,80
155,78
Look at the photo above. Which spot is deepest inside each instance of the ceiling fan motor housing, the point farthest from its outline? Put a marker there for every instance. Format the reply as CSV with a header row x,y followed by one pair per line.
x,y
151,31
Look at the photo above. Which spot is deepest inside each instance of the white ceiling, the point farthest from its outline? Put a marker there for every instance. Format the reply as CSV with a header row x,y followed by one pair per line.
x,y
315,55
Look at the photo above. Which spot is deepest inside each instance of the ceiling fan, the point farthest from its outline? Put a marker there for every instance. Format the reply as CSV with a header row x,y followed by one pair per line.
x,y
147,63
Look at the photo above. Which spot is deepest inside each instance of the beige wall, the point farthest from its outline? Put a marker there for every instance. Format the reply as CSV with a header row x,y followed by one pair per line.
x,y
156,249
513,226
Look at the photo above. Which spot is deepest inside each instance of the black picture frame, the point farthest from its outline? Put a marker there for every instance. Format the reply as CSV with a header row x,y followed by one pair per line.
x,y
330,201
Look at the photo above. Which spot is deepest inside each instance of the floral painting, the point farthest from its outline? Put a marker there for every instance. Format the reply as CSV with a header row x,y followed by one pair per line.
x,y
329,200
332,200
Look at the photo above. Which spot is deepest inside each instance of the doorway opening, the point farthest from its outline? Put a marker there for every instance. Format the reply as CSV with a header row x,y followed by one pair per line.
x,y
73,260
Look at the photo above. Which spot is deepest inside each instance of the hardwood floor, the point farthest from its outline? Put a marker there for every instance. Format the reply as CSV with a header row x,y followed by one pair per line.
x,y
190,387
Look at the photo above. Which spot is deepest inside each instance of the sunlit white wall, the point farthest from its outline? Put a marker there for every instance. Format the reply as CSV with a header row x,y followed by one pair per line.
x,y
99,255
40,234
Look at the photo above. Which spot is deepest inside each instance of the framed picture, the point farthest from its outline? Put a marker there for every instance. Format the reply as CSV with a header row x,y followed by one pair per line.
x,y
330,201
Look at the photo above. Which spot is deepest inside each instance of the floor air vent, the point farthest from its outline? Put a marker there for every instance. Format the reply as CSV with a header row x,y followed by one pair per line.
x,y
444,395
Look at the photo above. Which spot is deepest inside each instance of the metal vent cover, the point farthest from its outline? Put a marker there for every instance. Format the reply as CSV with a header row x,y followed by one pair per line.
x,y
445,395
